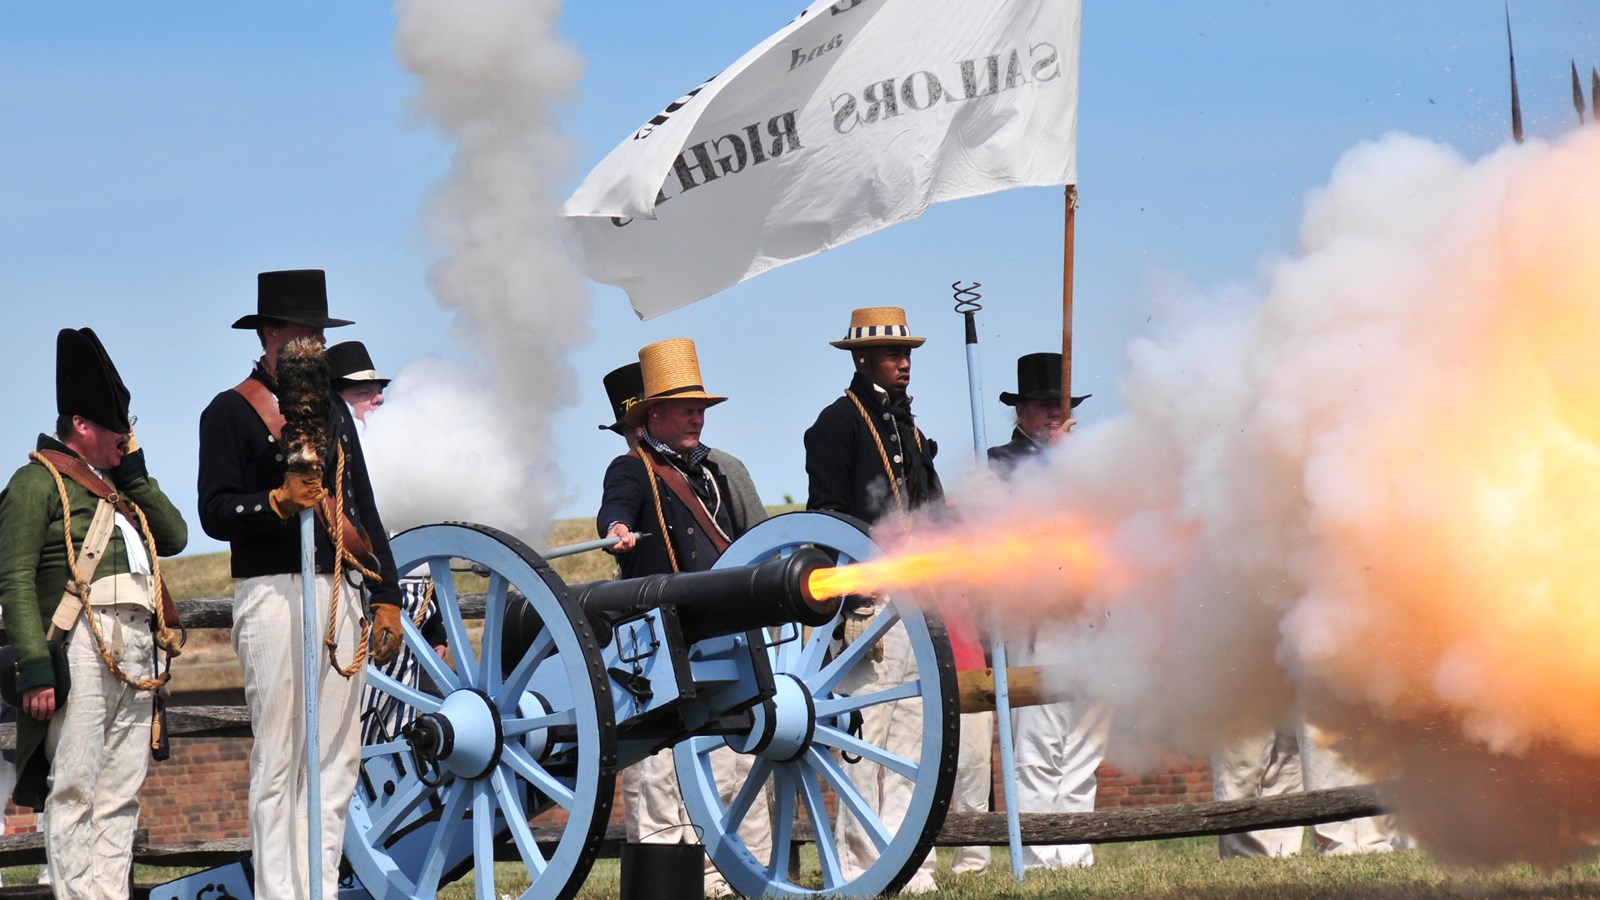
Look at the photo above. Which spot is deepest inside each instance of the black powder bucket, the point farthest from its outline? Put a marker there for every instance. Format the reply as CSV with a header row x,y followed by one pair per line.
x,y
663,872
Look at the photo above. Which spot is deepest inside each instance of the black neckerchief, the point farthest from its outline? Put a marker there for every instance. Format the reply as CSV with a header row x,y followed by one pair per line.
x,y
691,465
919,485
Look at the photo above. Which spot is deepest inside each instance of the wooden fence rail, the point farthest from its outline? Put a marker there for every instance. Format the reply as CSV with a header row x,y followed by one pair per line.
x,y
960,829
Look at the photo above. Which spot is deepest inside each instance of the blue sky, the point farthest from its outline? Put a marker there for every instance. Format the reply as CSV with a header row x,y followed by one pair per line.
x,y
157,155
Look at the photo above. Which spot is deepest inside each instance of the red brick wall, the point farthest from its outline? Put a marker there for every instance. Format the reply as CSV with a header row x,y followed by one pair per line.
x,y
1179,782
200,793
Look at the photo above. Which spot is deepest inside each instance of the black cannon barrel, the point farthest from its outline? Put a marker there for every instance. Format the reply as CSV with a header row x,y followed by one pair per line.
x,y
719,601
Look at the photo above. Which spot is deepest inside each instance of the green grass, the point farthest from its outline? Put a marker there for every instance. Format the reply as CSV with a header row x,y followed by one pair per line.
x,y
1189,868
1171,870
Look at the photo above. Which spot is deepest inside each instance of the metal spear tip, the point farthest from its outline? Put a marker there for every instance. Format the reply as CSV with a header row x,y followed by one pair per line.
x,y
1577,92
1516,104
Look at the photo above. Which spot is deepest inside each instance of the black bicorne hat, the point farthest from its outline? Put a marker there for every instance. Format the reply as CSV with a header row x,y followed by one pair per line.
x,y
87,383
349,364
297,296
1039,378
624,388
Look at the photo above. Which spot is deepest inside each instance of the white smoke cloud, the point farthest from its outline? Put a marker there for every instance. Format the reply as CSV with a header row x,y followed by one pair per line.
x,y
437,454
1363,489
456,441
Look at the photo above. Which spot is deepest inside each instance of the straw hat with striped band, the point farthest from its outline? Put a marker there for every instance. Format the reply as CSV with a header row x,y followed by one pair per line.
x,y
671,371
878,326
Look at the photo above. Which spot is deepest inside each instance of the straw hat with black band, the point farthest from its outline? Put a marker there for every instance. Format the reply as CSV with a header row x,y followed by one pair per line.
x,y
877,326
671,371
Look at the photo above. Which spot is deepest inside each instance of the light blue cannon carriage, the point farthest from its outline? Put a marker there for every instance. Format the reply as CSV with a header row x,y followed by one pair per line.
x,y
514,756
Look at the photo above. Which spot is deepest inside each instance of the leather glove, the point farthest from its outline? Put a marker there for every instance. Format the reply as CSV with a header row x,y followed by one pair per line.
x,y
297,492
387,637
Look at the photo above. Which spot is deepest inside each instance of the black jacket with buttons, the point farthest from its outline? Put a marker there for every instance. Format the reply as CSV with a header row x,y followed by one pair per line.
x,y
846,471
628,499
241,463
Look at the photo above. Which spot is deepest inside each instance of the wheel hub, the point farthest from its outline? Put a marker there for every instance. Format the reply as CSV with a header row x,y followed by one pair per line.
x,y
782,726
464,737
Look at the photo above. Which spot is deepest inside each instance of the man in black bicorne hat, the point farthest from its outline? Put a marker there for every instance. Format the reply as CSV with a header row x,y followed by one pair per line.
x,y
249,499
355,378
82,752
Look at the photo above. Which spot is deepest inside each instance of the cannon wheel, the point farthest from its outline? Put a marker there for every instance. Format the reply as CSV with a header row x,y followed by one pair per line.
x,y
404,835
801,780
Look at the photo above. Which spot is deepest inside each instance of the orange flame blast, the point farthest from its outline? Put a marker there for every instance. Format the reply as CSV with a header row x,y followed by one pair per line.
x,y
955,561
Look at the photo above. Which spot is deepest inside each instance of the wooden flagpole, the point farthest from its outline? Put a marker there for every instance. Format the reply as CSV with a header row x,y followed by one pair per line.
x,y
1066,300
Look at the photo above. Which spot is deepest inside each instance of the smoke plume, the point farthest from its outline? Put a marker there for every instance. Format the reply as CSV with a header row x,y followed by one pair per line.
x,y
1364,490
459,441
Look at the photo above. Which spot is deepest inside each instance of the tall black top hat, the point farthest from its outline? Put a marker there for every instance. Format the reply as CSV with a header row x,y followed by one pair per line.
x,y
297,296
1039,378
349,364
624,388
87,383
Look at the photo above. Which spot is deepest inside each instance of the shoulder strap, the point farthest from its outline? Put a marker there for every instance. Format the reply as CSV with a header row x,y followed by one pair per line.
x,y
85,477
264,402
679,486
81,566
91,552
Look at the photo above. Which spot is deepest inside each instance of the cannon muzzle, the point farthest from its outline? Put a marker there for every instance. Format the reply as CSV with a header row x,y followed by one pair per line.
x,y
719,601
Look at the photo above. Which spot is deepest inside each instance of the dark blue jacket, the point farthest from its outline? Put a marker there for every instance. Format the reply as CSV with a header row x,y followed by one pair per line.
x,y
241,463
628,499
844,468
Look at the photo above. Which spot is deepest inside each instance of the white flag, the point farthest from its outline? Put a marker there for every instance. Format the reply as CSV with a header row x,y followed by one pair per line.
x,y
855,116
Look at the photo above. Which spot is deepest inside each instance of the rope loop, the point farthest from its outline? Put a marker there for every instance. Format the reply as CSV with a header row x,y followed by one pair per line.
x,y
335,528
81,589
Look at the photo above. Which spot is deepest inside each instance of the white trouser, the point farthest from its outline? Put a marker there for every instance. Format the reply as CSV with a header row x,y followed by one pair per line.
x,y
1283,762
1058,748
653,813
1323,768
99,748
268,637
1260,765
896,727
974,781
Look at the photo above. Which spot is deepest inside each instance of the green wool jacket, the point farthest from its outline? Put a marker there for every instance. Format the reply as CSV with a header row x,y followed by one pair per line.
x,y
33,575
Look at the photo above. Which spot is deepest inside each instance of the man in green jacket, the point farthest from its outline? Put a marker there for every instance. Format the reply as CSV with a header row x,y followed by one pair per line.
x,y
83,757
